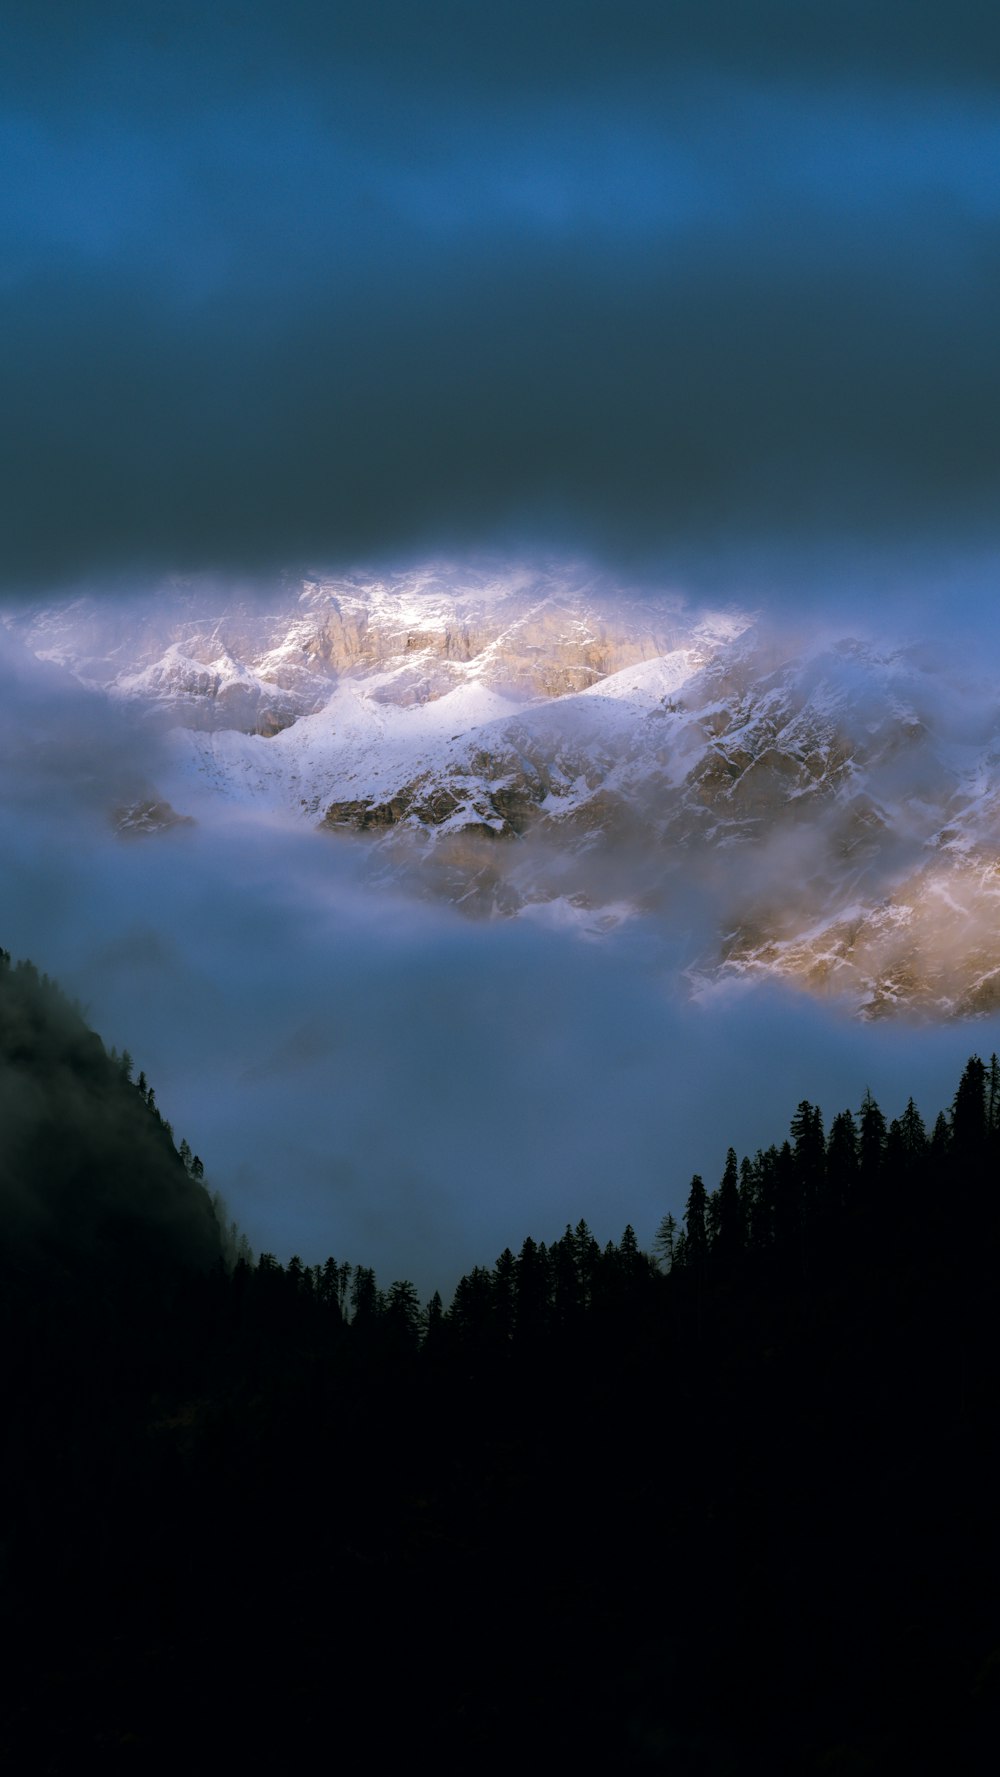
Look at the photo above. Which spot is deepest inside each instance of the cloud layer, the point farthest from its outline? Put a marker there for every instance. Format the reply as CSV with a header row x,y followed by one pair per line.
x,y
691,281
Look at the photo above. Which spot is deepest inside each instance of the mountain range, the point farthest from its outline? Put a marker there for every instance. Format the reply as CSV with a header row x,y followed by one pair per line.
x,y
538,744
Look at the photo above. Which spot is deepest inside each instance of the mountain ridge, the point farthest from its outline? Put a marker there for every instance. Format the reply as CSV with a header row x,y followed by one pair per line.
x,y
529,744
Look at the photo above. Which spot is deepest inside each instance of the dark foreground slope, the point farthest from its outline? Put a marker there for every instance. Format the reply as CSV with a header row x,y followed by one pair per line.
x,y
89,1176
738,1517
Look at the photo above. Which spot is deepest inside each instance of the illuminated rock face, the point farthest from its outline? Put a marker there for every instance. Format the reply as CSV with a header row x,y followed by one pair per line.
x,y
931,946
255,666
530,745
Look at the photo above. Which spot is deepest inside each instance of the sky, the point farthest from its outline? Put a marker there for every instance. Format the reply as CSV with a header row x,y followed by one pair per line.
x,y
685,285
706,293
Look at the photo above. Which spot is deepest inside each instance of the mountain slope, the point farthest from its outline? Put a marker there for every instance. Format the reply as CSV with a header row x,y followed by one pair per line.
x,y
89,1177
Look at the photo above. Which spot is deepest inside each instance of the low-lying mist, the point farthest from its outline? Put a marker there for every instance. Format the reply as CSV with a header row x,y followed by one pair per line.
x,y
374,1076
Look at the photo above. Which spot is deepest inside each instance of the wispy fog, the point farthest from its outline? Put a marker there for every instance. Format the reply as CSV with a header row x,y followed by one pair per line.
x,y
379,1078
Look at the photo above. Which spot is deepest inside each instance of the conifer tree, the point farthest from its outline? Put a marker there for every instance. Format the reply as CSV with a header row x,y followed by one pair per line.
x,y
402,1312
365,1302
633,1262
766,1177
588,1255
914,1134
344,1271
809,1148
505,1294
748,1203
665,1242
940,1142
565,1279
905,1149
532,1289
788,1206
968,1115
871,1143
328,1285
471,1313
728,1219
696,1224
842,1159
993,1095
434,1321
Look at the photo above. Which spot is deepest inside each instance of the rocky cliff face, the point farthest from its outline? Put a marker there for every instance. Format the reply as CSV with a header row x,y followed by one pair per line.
x,y
530,745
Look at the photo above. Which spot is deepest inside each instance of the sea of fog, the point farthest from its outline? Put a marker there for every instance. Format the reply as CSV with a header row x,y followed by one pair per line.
x,y
379,1078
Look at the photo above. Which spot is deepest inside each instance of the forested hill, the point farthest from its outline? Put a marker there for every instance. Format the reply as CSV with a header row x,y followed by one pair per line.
x,y
89,1175
728,1508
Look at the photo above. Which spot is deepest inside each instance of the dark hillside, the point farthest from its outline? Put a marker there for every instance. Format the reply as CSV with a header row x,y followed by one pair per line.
x,y
89,1176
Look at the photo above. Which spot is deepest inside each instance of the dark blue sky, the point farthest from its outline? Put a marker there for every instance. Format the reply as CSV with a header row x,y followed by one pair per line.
x,y
675,284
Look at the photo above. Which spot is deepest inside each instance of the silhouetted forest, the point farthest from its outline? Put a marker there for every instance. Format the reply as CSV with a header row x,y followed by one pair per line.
x,y
730,1506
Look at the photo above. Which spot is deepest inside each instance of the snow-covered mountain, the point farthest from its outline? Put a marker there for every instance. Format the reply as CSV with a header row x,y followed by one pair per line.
x,y
209,661
534,744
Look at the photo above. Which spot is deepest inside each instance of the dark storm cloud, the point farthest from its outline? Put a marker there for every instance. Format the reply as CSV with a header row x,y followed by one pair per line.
x,y
517,45
292,287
